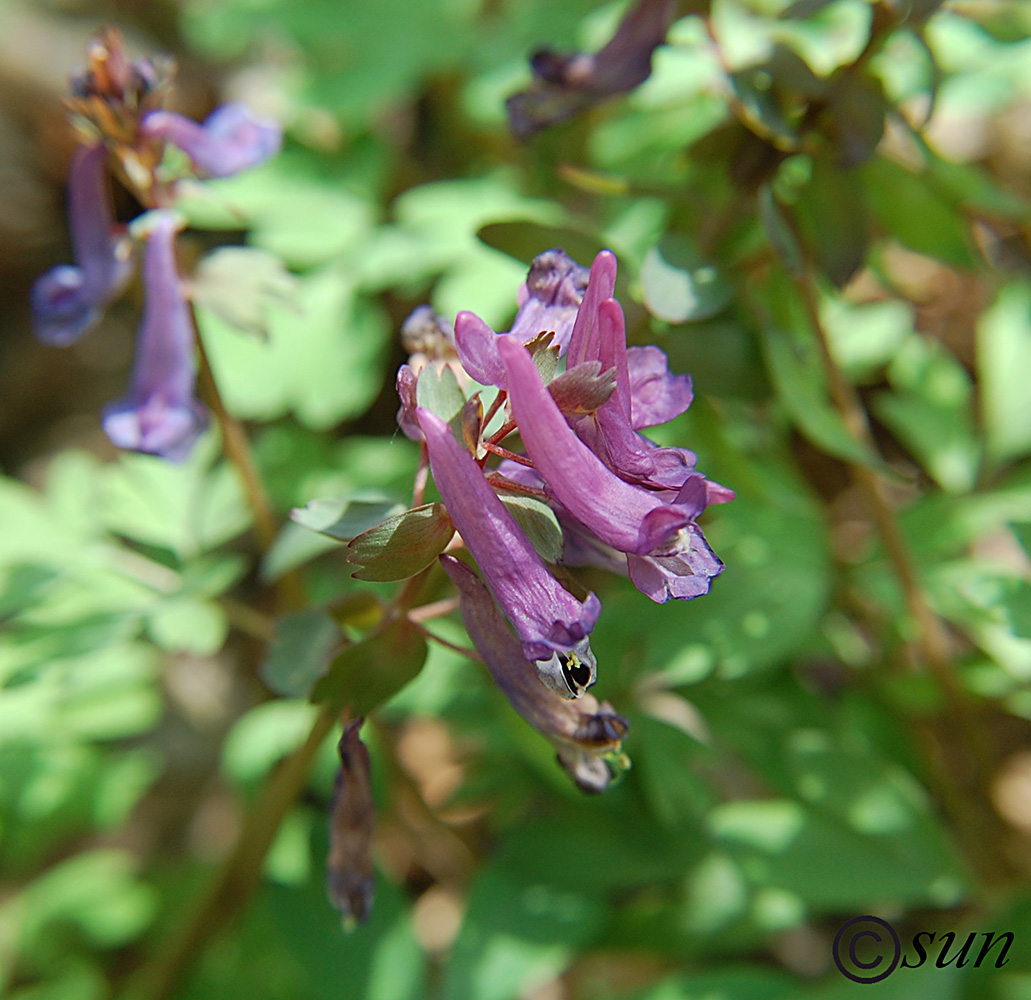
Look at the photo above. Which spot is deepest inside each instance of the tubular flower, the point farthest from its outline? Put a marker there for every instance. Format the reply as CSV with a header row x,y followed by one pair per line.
x,y
231,139
349,878
665,550
160,416
564,85
551,623
582,731
548,303
68,301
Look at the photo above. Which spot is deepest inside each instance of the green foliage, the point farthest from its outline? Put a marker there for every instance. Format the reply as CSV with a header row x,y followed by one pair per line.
x,y
816,206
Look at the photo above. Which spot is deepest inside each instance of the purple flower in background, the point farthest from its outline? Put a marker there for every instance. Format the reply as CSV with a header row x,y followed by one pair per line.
x,y
231,139
548,303
564,85
551,623
160,416
583,731
68,301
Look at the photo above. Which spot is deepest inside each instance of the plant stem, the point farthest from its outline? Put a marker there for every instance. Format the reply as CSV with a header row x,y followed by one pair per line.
x,y
238,450
228,893
954,773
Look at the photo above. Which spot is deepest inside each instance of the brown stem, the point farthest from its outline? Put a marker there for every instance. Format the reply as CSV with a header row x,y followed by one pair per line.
x,y
505,453
494,406
465,651
952,770
435,610
502,432
238,450
228,893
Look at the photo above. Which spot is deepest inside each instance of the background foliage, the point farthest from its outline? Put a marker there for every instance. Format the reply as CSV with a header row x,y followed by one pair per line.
x,y
821,212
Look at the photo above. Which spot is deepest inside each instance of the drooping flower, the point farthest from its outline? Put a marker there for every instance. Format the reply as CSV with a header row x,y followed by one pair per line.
x,y
583,731
564,85
231,139
551,623
160,415
349,878
68,300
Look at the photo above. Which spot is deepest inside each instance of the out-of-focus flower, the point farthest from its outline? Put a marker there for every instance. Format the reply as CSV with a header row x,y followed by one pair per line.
x,y
349,878
551,623
583,731
231,139
68,301
548,303
564,85
160,416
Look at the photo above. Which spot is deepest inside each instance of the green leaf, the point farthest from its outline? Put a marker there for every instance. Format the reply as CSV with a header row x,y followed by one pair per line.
x,y
779,232
863,338
797,373
239,284
678,287
344,519
932,412
368,673
300,652
909,208
263,736
1003,362
188,625
524,240
438,391
322,360
402,545
516,937
831,214
539,523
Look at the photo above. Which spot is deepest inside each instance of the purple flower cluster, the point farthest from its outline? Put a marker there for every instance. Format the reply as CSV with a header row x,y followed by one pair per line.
x,y
623,502
160,414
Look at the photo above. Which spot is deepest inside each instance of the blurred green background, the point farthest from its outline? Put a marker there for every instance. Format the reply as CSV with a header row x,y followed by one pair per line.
x,y
820,211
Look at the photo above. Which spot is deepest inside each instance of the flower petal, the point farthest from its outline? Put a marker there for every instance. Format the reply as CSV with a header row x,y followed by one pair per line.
x,y
622,515
160,415
231,139
583,731
546,617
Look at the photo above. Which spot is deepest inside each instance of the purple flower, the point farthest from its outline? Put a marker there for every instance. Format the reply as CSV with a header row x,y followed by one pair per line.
x,y
624,516
349,865
548,303
663,545
160,416
564,85
551,623
231,139
583,731
68,301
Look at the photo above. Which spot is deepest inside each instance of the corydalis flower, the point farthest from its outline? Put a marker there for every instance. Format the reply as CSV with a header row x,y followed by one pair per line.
x,y
231,139
160,416
621,515
583,731
551,623
548,303
68,301
564,85
349,865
